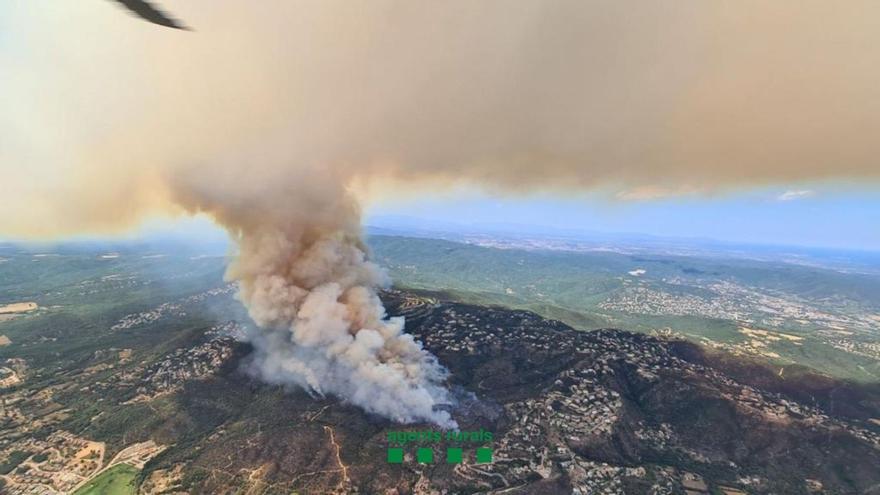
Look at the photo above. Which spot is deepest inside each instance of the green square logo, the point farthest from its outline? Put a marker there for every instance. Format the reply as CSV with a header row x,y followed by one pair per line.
x,y
425,455
484,455
395,455
453,455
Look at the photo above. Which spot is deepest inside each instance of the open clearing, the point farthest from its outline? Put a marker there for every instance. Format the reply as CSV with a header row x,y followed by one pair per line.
x,y
118,480
21,307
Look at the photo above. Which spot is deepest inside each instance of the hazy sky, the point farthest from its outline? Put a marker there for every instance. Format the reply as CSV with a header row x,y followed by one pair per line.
x,y
746,120
815,215
819,215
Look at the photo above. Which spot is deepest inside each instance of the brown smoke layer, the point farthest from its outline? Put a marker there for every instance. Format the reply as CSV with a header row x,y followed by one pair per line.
x,y
271,112
514,95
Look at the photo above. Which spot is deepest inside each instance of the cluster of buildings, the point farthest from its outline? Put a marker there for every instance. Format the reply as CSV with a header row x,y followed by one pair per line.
x,y
731,301
229,328
11,372
647,300
837,324
175,309
54,465
107,283
169,374
149,316
869,349
32,462
452,329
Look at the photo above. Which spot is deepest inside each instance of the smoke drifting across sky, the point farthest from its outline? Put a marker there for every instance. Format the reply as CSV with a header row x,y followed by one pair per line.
x,y
100,112
272,113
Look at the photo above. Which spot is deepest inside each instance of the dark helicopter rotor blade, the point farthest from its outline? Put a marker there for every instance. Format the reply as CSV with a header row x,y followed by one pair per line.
x,y
151,13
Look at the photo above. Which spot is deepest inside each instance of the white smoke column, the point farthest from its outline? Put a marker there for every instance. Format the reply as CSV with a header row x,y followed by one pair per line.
x,y
304,276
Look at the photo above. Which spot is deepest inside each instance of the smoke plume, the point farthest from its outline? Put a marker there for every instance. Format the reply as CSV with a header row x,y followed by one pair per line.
x,y
273,114
304,277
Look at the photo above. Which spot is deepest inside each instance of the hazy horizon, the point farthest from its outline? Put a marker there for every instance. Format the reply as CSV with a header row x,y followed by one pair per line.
x,y
492,216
